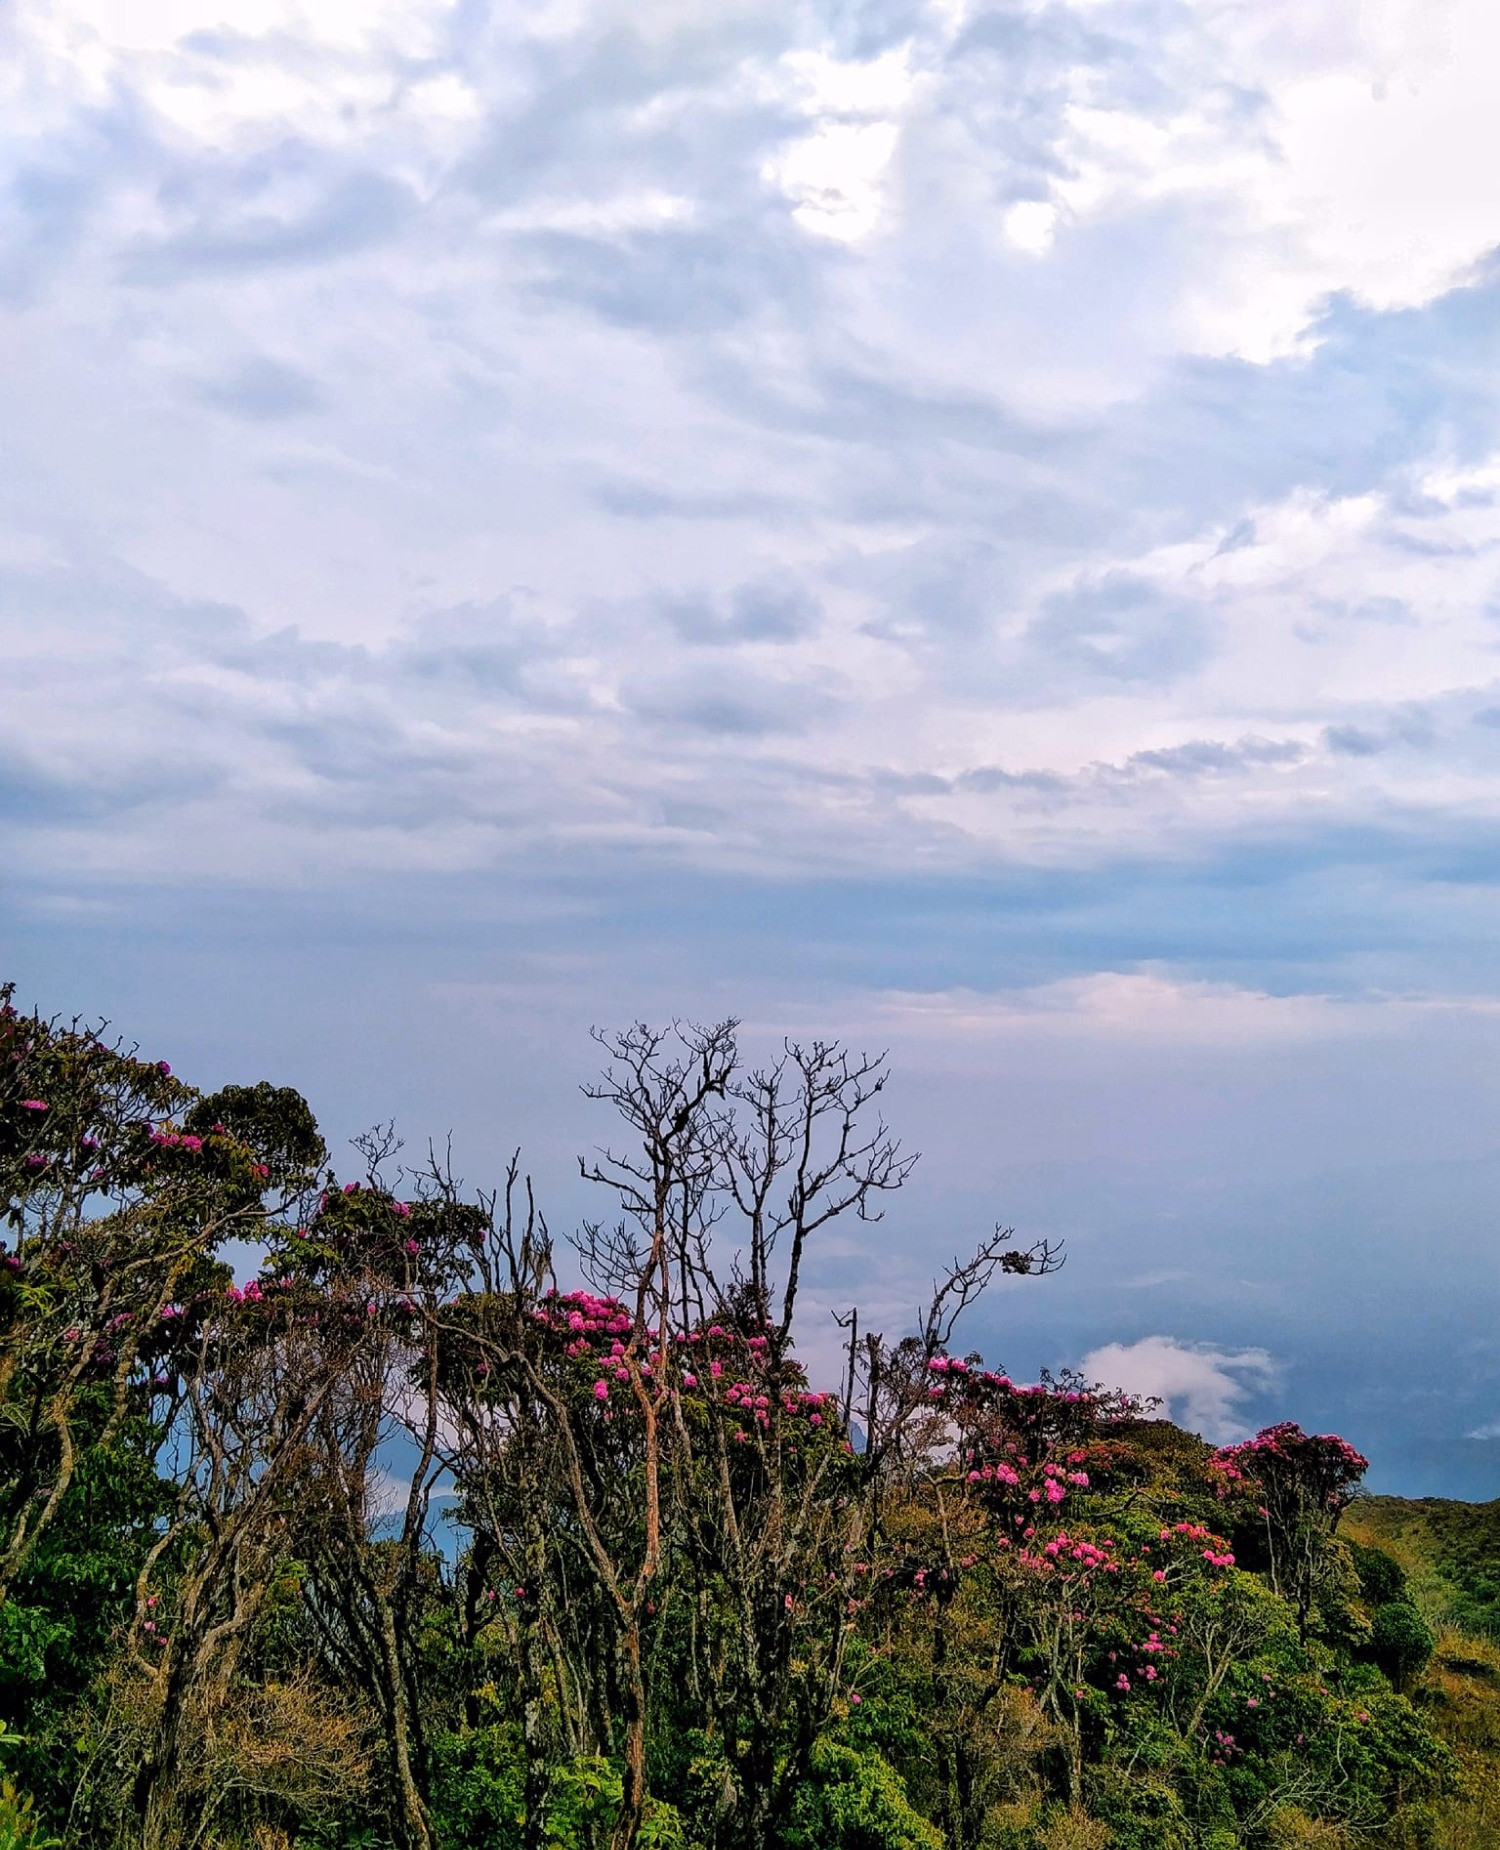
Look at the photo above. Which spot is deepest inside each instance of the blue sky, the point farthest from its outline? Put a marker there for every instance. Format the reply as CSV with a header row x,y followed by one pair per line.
x,y
972,527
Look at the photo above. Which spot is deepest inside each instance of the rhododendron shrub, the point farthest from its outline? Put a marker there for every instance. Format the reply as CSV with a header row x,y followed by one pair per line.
x,y
1287,1489
1078,1605
1043,1548
118,1187
650,1477
122,1187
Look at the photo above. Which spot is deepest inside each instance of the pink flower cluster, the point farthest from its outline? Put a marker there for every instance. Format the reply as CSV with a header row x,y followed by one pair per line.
x,y
583,1313
1062,1548
176,1140
1300,1470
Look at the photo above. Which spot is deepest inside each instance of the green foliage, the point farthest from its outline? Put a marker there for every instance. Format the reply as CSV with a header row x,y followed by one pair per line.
x,y
19,1825
479,1798
1381,1576
479,1788
1449,1550
855,1801
273,1121
1401,1641
1142,1811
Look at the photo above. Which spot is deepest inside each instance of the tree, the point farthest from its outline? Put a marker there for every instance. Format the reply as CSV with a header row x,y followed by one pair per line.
x,y
1299,1485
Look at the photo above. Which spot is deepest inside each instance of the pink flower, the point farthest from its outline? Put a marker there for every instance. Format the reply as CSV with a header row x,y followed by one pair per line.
x,y
690,1381
601,1390
855,1699
400,1207
411,1248
34,1104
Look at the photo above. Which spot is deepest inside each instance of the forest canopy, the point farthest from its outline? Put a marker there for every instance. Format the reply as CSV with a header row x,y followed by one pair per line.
x,y
415,1532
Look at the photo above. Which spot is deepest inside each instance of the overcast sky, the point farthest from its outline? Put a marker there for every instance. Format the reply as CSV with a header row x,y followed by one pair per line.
x,y
972,527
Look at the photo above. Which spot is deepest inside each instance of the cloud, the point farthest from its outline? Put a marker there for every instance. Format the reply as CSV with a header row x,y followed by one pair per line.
x,y
1201,1387
229,235
1120,628
261,387
1141,1007
776,608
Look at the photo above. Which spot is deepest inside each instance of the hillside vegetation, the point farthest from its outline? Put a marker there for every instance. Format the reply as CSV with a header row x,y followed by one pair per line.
x,y
1449,1555
398,1542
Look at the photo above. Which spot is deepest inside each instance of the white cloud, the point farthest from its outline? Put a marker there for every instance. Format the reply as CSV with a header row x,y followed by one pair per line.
x,y
1031,225
1139,1006
1348,150
1201,1387
350,319
834,176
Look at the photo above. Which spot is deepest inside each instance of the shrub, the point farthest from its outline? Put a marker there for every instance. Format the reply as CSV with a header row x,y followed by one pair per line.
x,y
1381,1577
1401,1641
856,1801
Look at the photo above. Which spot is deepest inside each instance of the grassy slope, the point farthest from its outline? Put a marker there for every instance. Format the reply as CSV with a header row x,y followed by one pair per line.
x,y
1451,1554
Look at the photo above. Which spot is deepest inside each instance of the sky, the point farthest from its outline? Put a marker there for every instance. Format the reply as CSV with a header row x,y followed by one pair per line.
x,y
972,528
